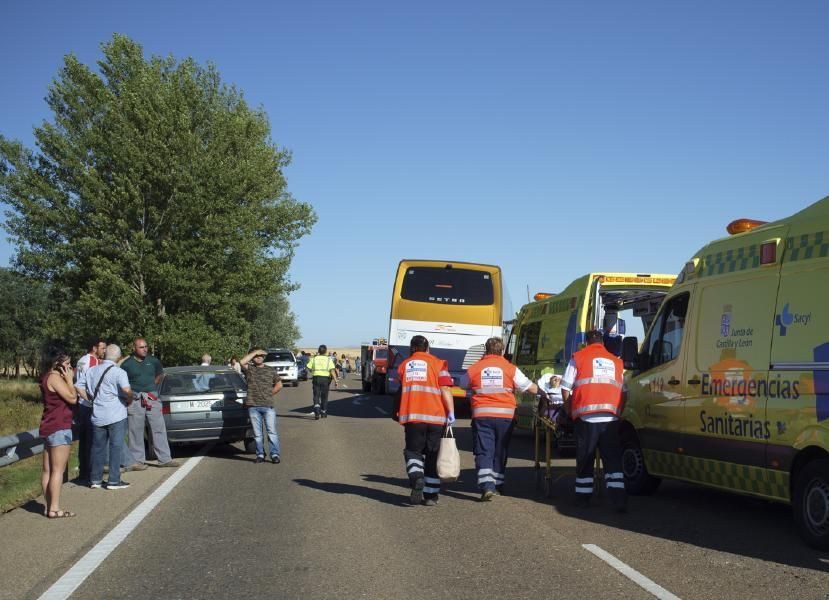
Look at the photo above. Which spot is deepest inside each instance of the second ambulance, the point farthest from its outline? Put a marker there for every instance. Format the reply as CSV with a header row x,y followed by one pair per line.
x,y
730,387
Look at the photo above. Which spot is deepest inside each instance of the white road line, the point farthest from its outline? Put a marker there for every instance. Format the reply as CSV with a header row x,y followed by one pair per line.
x,y
631,573
385,412
74,577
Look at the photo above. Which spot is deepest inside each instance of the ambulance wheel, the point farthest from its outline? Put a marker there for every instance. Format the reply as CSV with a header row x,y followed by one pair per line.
x,y
638,482
810,502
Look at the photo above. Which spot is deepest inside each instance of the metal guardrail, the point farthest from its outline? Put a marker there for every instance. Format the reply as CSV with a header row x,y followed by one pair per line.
x,y
19,446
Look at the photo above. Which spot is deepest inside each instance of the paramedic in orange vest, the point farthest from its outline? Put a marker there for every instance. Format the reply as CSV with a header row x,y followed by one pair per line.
x,y
492,381
592,391
426,408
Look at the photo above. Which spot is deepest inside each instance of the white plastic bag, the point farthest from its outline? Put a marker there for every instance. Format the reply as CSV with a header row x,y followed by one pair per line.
x,y
449,460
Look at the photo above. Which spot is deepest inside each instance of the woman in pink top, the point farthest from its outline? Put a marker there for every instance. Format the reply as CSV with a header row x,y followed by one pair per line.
x,y
58,395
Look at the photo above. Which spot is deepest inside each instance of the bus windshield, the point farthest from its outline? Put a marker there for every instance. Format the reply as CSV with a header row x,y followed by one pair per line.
x,y
448,286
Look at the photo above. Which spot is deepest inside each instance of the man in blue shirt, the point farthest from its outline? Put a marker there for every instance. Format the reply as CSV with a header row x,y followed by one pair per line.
x,y
107,388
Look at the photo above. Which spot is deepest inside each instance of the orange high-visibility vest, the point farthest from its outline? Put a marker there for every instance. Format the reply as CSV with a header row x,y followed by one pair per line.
x,y
421,377
599,381
491,381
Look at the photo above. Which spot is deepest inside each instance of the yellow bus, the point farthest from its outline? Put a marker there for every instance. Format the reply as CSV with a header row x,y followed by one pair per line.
x,y
455,305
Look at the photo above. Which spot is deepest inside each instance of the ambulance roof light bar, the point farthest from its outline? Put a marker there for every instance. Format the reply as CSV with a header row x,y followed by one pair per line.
x,y
542,296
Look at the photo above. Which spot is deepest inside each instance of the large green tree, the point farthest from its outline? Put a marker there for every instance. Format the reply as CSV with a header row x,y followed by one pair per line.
x,y
156,204
275,325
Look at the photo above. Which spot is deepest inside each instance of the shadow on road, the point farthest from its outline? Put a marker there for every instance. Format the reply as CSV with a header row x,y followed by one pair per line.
x,y
356,490
352,406
680,512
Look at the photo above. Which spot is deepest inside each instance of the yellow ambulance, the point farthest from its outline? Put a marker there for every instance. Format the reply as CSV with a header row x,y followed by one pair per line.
x,y
548,331
730,387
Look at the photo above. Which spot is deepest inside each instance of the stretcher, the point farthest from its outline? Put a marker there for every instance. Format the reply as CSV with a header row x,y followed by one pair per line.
x,y
560,435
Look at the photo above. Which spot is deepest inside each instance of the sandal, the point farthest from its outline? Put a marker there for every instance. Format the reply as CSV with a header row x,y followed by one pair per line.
x,y
60,514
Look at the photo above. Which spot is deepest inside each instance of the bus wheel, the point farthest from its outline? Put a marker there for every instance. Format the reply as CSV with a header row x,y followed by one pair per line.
x,y
638,482
810,502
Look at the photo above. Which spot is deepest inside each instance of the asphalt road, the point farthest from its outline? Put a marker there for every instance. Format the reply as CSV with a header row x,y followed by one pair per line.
x,y
333,521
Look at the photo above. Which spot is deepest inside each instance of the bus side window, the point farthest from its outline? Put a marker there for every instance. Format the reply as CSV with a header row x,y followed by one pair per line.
x,y
528,343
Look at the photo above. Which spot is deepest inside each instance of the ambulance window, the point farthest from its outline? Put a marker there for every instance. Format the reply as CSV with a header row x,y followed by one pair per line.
x,y
665,340
528,343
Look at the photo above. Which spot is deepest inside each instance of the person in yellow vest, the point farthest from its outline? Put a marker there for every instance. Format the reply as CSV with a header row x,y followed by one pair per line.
x,y
323,372
492,381
592,390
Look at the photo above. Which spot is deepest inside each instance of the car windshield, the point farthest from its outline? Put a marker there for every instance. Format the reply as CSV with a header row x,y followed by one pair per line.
x,y
203,382
279,357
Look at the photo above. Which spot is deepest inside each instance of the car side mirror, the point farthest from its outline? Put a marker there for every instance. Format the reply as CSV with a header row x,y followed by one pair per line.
x,y
630,352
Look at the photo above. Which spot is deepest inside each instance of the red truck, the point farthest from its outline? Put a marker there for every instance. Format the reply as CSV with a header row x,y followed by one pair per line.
x,y
374,361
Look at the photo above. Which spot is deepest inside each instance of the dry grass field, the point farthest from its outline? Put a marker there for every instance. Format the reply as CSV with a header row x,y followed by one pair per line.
x,y
351,353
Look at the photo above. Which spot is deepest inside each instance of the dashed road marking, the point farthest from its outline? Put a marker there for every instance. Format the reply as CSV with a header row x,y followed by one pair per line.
x,y
74,577
631,573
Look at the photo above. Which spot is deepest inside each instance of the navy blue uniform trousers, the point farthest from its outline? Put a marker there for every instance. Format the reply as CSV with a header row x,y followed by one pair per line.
x,y
490,443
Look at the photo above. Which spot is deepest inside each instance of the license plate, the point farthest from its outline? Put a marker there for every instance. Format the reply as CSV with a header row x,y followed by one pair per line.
x,y
203,403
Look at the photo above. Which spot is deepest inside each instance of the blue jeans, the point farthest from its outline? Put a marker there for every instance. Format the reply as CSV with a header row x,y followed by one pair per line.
x,y
111,436
258,414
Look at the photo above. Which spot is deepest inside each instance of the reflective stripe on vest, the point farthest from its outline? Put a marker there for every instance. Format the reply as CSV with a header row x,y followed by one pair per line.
x,y
320,366
587,380
420,417
421,388
493,390
593,408
486,411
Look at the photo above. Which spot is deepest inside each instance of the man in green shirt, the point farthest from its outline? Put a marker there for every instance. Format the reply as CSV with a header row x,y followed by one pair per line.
x,y
144,372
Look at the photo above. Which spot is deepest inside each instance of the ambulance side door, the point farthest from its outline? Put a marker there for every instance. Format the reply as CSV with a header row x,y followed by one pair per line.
x,y
726,429
661,388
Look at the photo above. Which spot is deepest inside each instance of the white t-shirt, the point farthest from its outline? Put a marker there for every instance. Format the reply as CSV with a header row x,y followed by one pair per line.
x,y
85,362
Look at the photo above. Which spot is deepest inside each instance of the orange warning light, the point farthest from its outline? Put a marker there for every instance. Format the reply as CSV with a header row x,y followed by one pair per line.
x,y
743,225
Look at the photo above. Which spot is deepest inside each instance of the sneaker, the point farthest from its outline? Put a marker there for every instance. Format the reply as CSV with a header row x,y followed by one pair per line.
x,y
275,459
416,497
316,412
95,486
136,467
170,463
118,486
324,415
487,496
260,459
430,502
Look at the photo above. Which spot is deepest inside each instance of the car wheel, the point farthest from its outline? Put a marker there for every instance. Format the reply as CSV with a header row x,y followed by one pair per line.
x,y
638,482
810,502
250,446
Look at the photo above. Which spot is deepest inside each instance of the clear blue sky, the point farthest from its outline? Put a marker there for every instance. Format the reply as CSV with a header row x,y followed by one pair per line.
x,y
487,131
